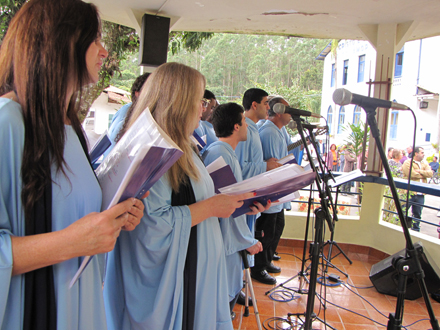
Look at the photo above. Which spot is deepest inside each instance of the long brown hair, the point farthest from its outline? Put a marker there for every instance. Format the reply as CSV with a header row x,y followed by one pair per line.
x,y
172,93
42,55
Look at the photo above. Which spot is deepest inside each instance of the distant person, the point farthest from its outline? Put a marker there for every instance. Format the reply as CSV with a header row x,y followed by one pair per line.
x,y
420,172
332,158
409,149
390,153
341,152
395,164
434,164
404,157
350,159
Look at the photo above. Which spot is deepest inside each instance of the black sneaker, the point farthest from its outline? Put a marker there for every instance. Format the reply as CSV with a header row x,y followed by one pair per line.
x,y
263,277
276,257
242,299
273,269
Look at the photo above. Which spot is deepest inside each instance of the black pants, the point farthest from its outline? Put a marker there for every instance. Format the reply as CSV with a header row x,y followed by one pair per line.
x,y
272,224
416,211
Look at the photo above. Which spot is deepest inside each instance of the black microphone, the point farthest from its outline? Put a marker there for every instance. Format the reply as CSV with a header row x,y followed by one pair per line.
x,y
342,96
281,108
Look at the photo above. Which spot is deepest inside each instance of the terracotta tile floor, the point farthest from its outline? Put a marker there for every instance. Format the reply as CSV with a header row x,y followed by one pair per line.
x,y
337,317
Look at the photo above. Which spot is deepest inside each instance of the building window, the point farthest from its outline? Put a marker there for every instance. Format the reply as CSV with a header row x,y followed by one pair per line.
x,y
399,63
361,68
110,117
341,119
428,137
393,126
345,73
329,119
332,82
357,115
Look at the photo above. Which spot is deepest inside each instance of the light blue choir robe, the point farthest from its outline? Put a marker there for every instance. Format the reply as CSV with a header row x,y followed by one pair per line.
x,y
250,157
206,129
236,234
143,287
274,145
116,125
79,194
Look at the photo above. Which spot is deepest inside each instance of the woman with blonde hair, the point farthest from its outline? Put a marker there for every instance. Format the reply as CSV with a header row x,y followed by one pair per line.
x,y
170,272
49,194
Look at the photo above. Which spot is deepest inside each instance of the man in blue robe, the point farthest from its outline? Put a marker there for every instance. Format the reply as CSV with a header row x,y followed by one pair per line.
x,y
271,222
231,128
250,152
205,129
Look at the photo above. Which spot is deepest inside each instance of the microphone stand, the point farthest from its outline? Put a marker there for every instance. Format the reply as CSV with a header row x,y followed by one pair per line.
x,y
333,205
410,264
322,214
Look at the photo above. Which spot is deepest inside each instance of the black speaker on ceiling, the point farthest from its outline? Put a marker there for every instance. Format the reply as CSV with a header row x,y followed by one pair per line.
x,y
153,47
385,278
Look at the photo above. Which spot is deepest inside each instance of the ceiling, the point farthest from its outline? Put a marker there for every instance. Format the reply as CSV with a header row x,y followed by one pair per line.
x,y
307,18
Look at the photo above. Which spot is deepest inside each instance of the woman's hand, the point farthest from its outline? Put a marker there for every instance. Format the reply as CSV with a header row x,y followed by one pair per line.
x,y
97,232
254,249
224,205
135,215
258,207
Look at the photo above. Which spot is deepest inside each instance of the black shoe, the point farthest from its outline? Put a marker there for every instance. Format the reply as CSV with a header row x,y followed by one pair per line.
x,y
263,277
273,269
276,257
242,299
233,316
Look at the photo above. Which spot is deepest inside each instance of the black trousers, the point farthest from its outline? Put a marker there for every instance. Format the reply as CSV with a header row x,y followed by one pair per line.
x,y
272,224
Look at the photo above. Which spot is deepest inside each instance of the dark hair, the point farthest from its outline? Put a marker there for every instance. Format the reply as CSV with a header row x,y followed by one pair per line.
x,y
137,85
224,118
417,150
46,42
208,95
272,102
390,148
251,95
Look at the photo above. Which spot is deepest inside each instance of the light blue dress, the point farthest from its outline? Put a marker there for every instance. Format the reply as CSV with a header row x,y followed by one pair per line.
x,y
236,234
79,194
144,279
274,145
250,157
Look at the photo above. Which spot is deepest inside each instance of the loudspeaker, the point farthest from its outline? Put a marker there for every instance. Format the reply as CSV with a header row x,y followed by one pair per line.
x,y
385,278
153,47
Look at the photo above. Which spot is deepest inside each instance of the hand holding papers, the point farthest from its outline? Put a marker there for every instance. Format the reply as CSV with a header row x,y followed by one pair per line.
x,y
138,160
272,185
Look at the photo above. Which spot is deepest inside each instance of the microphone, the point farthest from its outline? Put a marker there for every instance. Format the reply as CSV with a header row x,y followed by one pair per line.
x,y
342,96
315,126
281,108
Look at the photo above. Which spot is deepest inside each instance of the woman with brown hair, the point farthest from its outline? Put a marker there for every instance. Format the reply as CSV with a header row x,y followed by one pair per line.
x,y
51,50
170,272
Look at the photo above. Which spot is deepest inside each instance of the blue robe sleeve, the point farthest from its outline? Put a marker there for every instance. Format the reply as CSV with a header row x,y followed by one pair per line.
x,y
250,153
12,141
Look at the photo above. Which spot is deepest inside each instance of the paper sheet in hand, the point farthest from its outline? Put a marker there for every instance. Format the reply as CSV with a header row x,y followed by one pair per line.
x,y
221,174
272,185
138,160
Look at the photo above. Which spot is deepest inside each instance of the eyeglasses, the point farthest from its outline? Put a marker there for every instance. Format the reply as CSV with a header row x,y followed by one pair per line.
x,y
205,102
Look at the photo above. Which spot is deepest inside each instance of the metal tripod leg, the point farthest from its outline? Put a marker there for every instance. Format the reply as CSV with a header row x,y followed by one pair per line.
x,y
248,288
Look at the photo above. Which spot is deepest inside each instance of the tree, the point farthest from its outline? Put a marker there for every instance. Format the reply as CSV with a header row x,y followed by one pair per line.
x,y
356,136
8,9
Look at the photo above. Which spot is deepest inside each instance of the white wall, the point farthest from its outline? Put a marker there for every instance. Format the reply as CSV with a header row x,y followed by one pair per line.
x,y
103,110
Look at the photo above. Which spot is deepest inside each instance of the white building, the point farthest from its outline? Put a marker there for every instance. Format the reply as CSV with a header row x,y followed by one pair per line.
x,y
415,84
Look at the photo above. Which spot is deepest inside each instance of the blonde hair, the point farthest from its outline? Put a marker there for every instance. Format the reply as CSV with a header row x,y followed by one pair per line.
x,y
172,93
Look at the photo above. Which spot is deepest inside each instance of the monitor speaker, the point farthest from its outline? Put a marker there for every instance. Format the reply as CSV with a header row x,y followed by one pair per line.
x,y
385,278
154,40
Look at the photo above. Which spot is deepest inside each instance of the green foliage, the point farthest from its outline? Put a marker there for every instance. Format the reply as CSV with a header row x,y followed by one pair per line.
x,y
356,136
8,9
191,41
